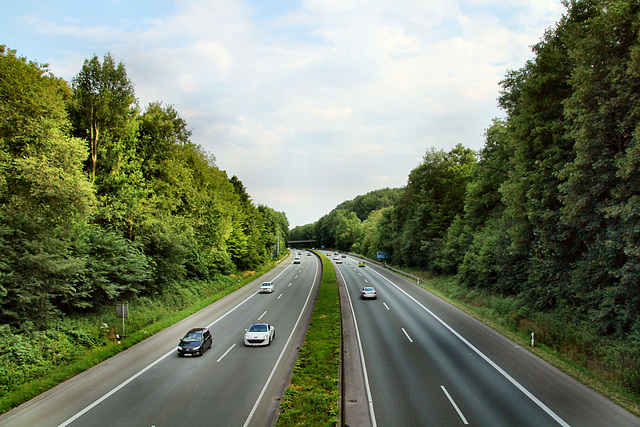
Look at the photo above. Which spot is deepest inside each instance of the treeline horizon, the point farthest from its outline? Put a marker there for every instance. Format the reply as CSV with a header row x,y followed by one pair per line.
x,y
102,200
548,212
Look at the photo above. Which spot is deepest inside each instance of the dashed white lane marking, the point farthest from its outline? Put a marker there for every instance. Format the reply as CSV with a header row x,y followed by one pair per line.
x,y
225,353
408,337
464,420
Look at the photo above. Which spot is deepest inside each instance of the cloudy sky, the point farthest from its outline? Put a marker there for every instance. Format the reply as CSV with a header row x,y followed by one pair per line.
x,y
309,102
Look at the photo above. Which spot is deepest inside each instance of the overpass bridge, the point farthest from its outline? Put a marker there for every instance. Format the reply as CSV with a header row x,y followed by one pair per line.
x,y
299,244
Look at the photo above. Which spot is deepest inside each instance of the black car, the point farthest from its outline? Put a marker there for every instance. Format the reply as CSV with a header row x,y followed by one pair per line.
x,y
196,341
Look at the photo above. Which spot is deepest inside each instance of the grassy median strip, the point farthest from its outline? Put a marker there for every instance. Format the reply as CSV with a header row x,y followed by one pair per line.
x,y
312,397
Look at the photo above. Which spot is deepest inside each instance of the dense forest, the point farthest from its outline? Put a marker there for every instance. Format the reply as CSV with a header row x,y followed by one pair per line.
x,y
548,212
101,201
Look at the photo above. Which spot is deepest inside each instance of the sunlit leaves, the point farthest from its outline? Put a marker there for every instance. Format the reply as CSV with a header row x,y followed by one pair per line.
x,y
157,211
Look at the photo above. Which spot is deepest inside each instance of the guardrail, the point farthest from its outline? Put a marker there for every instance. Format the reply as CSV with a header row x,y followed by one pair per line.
x,y
384,265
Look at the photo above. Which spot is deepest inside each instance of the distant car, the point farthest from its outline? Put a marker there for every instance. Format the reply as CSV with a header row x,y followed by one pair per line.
x,y
195,342
336,257
259,334
299,252
296,260
361,264
343,256
308,253
368,292
267,287
329,255
338,261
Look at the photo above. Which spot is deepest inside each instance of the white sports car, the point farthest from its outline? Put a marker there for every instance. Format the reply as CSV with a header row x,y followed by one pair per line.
x,y
267,287
259,334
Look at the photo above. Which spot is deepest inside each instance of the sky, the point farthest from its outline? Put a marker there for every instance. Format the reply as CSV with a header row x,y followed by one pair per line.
x,y
308,102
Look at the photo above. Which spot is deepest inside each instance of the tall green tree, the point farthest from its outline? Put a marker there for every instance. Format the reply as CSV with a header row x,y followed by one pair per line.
x,y
474,248
540,244
44,194
348,230
434,196
600,193
103,102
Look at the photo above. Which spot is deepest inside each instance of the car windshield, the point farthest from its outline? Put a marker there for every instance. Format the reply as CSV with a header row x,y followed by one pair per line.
x,y
266,284
193,336
258,328
368,289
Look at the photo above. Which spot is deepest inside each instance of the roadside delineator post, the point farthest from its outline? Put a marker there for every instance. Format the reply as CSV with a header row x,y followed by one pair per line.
x,y
122,311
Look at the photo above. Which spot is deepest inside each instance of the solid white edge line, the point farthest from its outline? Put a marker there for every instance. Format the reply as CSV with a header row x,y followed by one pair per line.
x,y
145,369
464,420
482,355
408,337
364,365
264,389
115,390
225,353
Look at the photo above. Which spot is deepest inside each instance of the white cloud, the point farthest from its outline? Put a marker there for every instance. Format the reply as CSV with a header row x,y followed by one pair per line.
x,y
317,104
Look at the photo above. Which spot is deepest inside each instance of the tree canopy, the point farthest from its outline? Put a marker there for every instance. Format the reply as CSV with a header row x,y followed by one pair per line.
x,y
100,201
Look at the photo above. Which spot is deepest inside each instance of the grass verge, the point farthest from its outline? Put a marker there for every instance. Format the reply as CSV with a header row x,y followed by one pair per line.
x,y
148,317
312,397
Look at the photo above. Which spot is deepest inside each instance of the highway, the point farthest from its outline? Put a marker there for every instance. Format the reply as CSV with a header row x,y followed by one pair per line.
x,y
427,363
230,385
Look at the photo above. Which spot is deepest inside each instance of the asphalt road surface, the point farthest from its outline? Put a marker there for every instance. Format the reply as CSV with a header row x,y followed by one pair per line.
x,y
428,363
230,385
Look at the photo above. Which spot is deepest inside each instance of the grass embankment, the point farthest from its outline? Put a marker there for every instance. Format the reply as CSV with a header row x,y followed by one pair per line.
x,y
313,395
33,363
565,343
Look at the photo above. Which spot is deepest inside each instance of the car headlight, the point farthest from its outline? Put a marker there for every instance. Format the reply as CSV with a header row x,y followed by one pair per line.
x,y
179,348
197,348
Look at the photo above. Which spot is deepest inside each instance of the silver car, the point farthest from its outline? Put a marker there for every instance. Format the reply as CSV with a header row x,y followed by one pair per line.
x,y
267,287
368,292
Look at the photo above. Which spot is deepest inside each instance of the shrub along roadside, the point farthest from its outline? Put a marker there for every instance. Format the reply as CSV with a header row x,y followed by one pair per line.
x,y
33,363
312,397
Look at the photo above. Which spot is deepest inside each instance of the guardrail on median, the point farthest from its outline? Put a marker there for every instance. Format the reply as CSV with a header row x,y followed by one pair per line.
x,y
395,270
